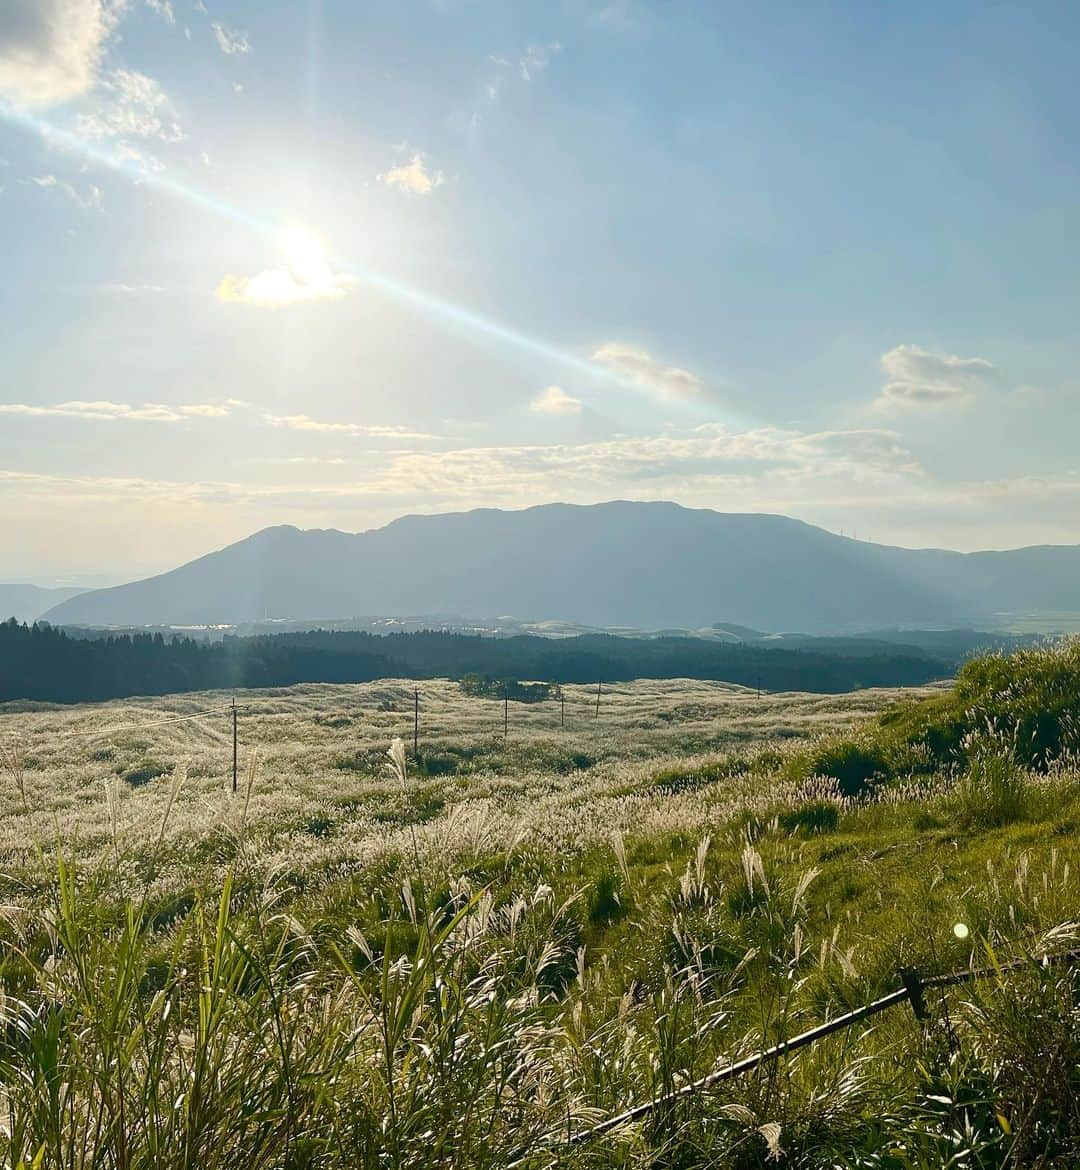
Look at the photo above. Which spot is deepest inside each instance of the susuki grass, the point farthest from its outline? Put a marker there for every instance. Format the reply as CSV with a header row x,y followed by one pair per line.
x,y
464,958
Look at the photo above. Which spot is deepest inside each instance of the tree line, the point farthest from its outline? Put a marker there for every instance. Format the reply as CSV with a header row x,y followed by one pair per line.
x,y
40,662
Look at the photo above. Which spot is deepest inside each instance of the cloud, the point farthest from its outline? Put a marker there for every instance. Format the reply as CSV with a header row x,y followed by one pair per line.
x,y
164,9
413,177
50,49
303,422
555,400
137,107
280,287
231,41
106,411
764,469
642,369
917,377
537,58
131,290
90,199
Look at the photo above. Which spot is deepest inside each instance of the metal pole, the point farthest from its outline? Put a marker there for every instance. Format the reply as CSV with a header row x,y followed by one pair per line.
x,y
598,686
506,713
416,724
234,744
562,707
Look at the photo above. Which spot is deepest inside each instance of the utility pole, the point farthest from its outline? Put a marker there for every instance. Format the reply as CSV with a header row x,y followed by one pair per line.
x,y
599,684
234,744
416,724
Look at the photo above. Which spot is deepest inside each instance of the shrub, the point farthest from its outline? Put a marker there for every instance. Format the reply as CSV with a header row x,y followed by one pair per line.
x,y
853,765
992,792
145,772
818,817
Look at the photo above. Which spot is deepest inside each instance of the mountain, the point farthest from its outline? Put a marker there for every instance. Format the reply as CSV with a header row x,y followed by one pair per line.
x,y
641,565
28,602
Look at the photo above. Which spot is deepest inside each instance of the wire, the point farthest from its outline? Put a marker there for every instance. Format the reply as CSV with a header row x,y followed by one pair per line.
x,y
152,723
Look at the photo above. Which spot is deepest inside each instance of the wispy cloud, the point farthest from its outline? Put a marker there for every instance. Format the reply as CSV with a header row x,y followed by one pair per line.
x,y
90,198
413,177
917,377
105,411
164,9
230,40
302,422
555,400
642,369
135,107
120,288
537,58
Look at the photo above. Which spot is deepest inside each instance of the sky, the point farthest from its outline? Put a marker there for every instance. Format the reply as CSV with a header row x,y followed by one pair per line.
x,y
325,263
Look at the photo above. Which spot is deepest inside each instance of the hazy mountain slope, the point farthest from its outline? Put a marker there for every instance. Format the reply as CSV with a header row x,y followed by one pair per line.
x,y
634,564
27,602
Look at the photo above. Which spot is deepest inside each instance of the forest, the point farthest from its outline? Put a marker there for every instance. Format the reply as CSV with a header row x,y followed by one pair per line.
x,y
43,663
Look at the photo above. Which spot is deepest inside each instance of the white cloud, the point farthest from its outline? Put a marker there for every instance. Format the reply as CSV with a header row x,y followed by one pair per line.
x,y
413,177
164,9
137,107
918,377
105,411
231,41
303,422
641,369
131,290
555,400
90,199
537,58
50,49
280,287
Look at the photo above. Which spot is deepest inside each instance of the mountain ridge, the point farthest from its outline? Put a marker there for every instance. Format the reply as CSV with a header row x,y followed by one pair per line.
x,y
621,563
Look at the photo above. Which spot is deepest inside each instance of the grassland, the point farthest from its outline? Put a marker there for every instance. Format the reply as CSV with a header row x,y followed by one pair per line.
x,y
461,958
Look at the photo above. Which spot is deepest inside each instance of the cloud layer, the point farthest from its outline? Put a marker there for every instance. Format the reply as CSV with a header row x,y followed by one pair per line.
x,y
105,411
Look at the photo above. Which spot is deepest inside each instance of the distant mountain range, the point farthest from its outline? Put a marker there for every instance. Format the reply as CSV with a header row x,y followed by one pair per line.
x,y
637,565
28,602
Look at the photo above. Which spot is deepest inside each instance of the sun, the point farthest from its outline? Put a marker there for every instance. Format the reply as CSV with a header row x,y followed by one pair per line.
x,y
305,255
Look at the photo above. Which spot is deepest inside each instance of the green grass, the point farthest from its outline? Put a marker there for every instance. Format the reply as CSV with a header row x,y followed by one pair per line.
x,y
407,963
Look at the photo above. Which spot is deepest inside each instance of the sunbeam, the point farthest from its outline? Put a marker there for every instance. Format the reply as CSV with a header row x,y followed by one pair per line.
x,y
295,239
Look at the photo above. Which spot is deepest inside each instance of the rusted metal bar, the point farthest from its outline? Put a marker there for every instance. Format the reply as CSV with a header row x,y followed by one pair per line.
x,y
912,991
742,1066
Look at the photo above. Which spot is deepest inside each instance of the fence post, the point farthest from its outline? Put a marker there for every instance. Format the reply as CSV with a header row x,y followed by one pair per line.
x,y
599,684
416,724
234,744
913,985
506,712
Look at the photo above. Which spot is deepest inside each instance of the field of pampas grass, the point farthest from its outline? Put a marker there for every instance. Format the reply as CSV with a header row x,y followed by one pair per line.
x,y
466,955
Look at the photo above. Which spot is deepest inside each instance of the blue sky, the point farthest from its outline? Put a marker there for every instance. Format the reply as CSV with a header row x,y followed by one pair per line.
x,y
324,263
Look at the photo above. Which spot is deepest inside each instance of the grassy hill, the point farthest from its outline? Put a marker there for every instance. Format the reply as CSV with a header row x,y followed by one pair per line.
x,y
459,959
